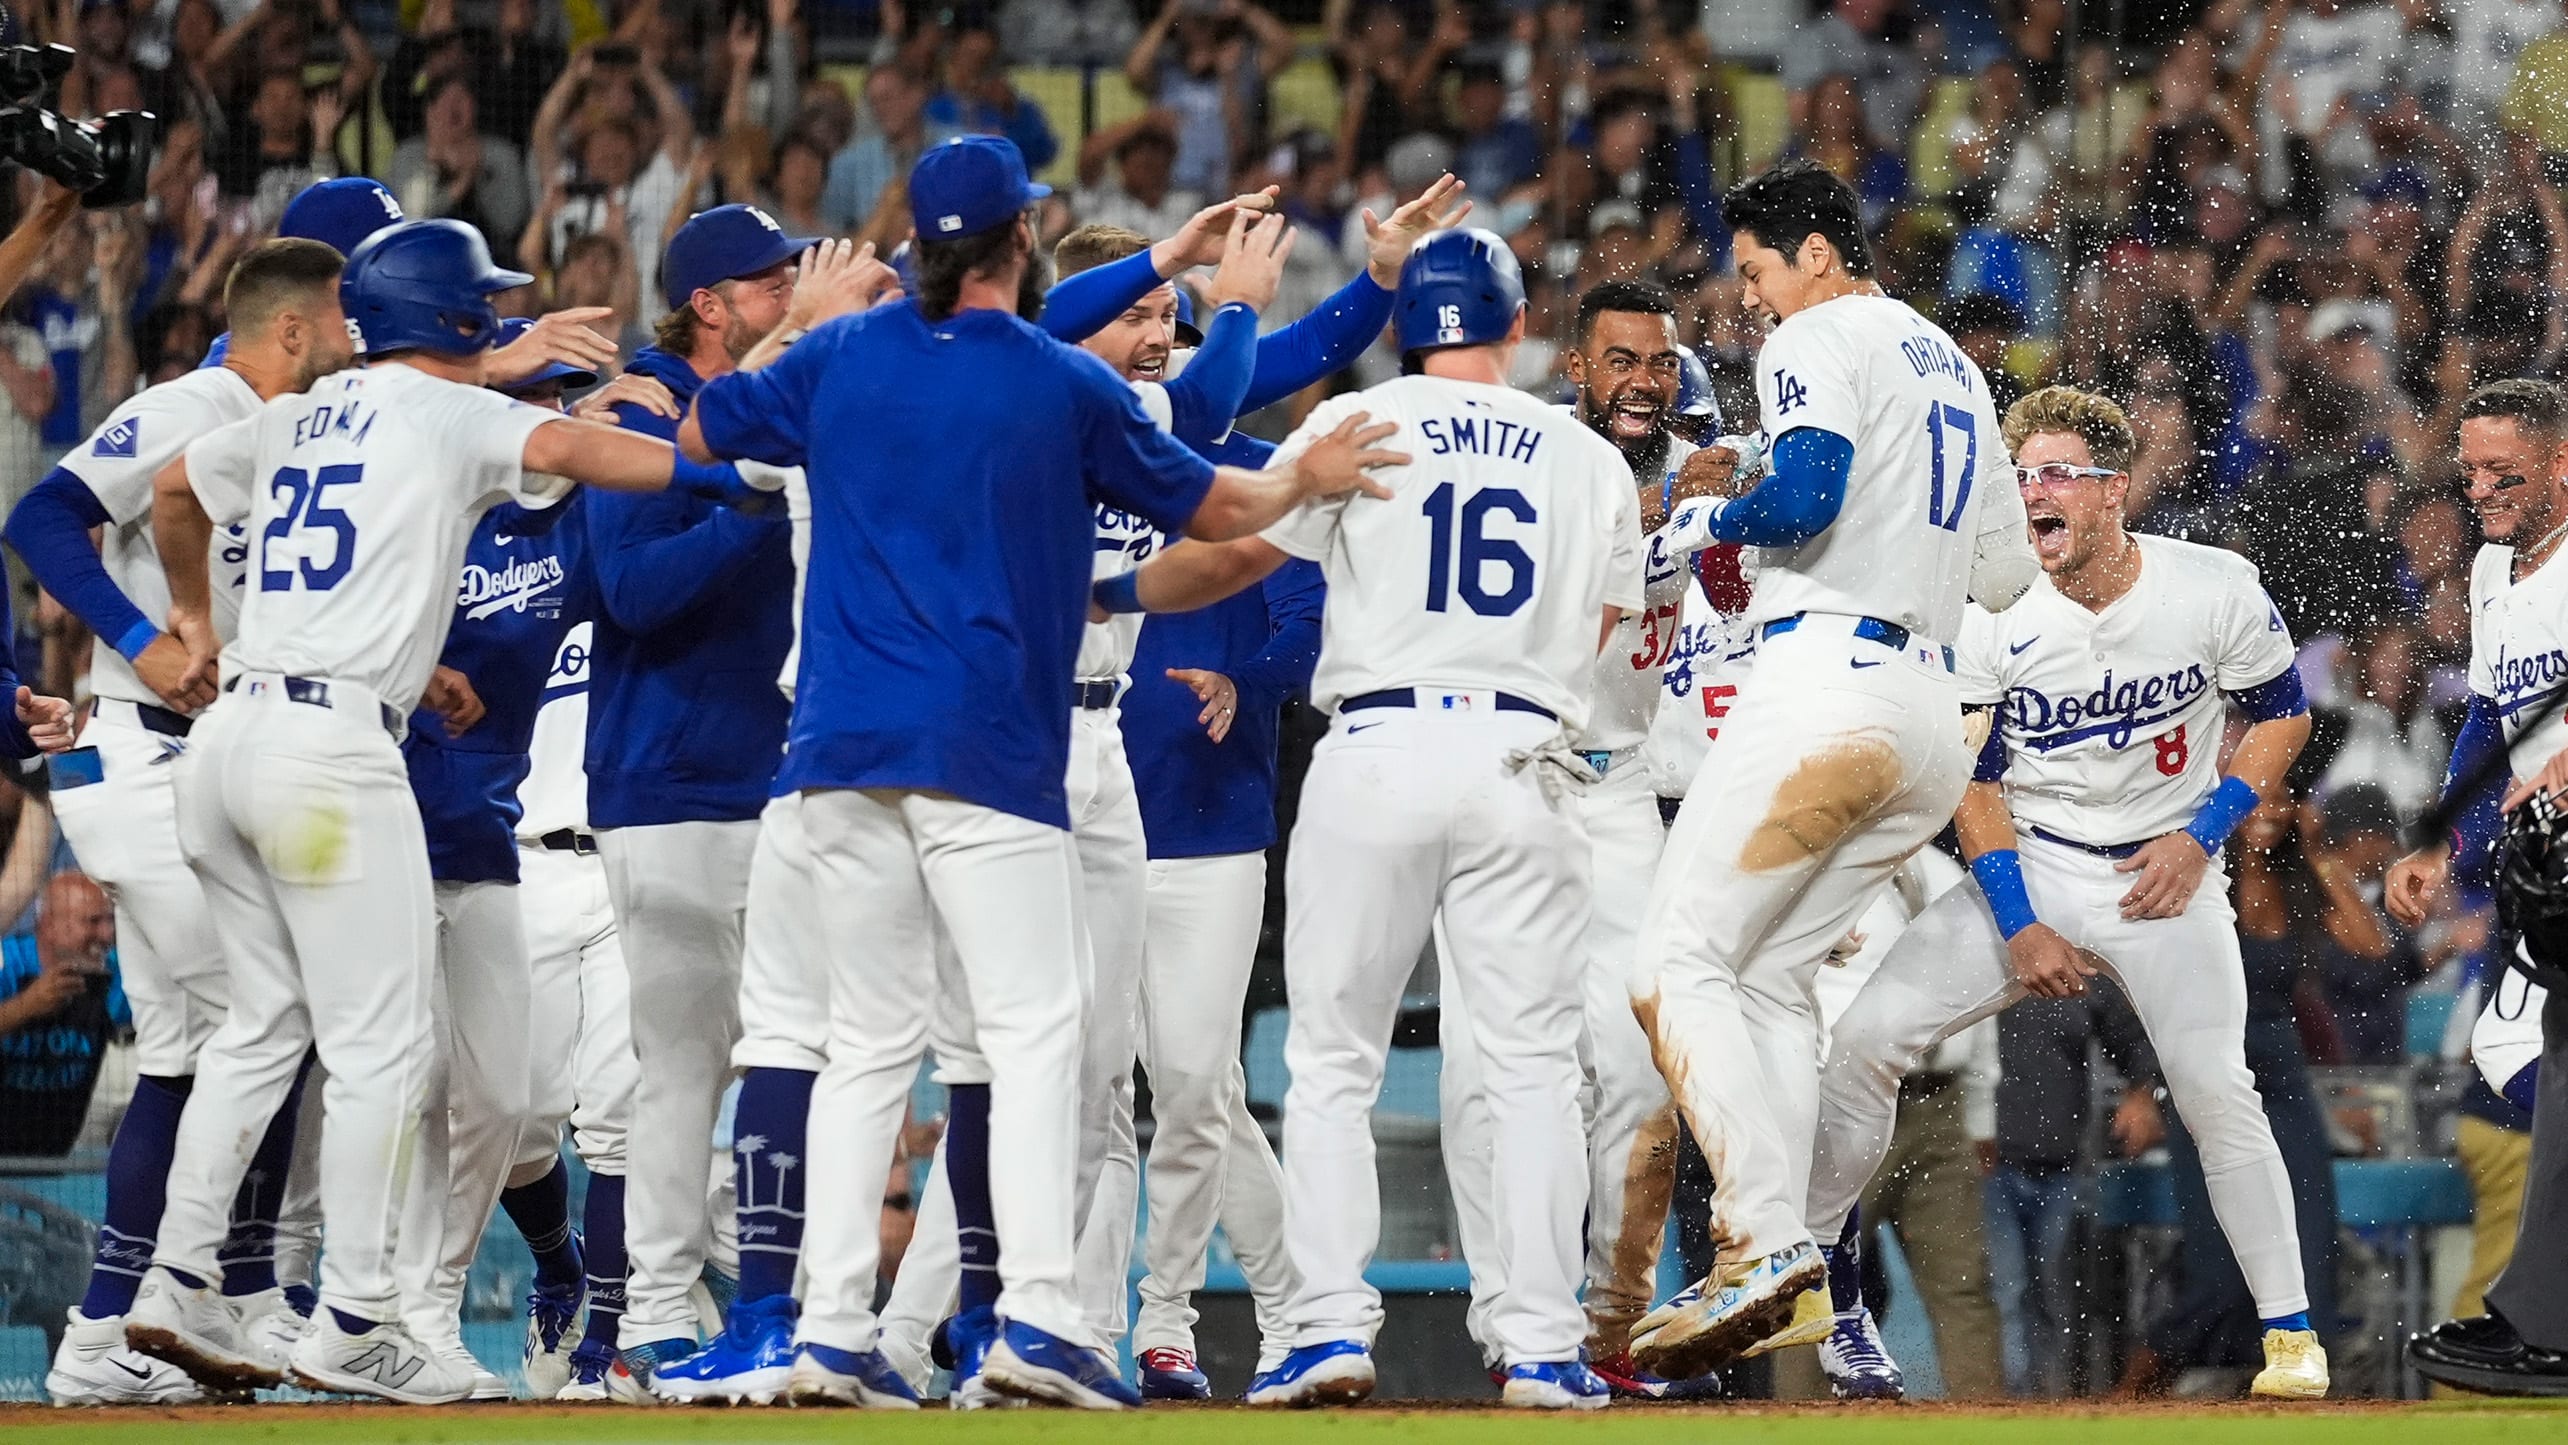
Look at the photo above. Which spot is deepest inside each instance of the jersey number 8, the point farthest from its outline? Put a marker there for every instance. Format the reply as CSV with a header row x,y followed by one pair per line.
x,y
1479,551
304,509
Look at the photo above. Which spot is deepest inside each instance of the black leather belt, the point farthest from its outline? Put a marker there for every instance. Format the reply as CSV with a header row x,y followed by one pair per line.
x,y
1408,697
1092,696
316,693
570,840
161,720
2100,850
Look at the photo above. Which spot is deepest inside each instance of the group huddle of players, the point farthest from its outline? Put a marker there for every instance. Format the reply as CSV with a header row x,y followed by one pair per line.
x,y
449,806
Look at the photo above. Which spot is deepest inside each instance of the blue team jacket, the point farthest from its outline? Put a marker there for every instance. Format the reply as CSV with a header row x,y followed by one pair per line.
x,y
694,617
521,591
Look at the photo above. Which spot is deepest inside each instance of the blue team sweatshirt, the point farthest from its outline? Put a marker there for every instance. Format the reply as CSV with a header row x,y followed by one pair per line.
x,y
694,617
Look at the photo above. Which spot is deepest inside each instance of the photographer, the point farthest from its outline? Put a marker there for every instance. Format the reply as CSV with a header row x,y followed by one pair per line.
x,y
60,1003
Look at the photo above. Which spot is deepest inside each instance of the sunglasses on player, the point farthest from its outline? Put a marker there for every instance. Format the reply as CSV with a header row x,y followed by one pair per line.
x,y
2059,474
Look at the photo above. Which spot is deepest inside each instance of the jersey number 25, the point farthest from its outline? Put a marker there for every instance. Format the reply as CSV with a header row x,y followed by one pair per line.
x,y
304,507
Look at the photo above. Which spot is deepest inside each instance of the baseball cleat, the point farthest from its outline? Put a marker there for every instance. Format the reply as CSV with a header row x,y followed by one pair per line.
x,y
629,1378
966,1340
1337,1373
486,1386
1708,1323
552,1313
1554,1385
95,1366
825,1375
196,1330
746,1364
1630,1382
597,1378
385,1362
272,1325
1858,1367
2295,1367
1169,1373
1026,1363
1812,1319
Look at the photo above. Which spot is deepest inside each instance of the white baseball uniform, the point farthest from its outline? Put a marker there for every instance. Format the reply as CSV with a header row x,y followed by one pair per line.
x,y
1459,647
2112,730
1844,750
294,805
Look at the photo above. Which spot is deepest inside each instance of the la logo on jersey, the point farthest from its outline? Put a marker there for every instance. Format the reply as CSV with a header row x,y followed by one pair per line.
x,y
119,440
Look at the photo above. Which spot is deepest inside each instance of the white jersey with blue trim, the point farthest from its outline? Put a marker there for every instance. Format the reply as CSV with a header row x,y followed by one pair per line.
x,y
1629,670
1509,530
2519,648
2113,719
1930,477
359,497
555,793
1125,540
1698,679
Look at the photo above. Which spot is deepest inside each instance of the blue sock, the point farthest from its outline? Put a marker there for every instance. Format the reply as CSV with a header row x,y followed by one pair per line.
x,y
542,1212
602,1221
1846,1266
967,1174
768,1132
192,1281
249,1249
137,1179
351,1323
2296,1320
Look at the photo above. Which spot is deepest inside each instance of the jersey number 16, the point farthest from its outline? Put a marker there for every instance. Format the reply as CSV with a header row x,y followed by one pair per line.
x,y
1479,551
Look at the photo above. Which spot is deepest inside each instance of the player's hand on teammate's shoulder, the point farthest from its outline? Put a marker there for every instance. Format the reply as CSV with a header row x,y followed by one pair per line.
x,y
1219,695
1387,243
1201,241
2047,964
451,697
48,720
1253,257
838,278
564,337
165,667
1343,460
647,392
2170,869
2409,890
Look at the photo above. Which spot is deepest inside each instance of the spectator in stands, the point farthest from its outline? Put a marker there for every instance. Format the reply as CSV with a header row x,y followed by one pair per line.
x,y
1383,79
2393,740
798,178
1142,195
896,102
978,97
1862,40
453,168
1208,63
2364,966
1985,327
61,1002
1066,32
619,178
2536,98
78,302
2304,519
1498,151
1928,1192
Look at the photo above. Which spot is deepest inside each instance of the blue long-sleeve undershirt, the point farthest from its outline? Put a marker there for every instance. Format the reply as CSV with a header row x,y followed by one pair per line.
x,y
1799,496
50,529
1328,340
2478,751
1204,399
1078,307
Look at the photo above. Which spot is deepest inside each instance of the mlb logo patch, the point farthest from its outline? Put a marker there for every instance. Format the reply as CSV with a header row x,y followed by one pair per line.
x,y
949,223
119,440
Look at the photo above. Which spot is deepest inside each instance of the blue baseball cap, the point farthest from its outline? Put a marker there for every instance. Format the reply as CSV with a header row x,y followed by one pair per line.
x,y
513,327
1188,333
970,184
724,244
340,213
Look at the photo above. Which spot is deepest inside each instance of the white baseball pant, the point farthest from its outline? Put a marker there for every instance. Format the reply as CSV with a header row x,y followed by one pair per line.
x,y
1209,1158
2184,979
892,867
1411,813
928,1287
125,830
299,820
1112,859
478,1102
1839,759
784,972
576,963
680,891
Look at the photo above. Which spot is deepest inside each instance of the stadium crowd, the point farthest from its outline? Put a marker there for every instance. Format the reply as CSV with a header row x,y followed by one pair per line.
x,y
2289,235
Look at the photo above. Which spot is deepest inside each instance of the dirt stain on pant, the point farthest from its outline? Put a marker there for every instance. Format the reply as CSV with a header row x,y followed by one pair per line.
x,y
1649,1182
1675,1065
1820,802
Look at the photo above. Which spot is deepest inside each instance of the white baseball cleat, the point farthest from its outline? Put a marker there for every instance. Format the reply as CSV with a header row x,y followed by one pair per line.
x,y
595,1380
385,1362
552,1332
95,1366
2295,1367
486,1385
1708,1324
272,1326
196,1330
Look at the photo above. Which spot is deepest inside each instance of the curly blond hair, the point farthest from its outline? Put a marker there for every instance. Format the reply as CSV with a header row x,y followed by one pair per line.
x,y
2085,414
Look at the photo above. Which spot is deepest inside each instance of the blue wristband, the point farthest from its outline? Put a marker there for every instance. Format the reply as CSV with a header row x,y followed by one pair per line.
x,y
2221,813
136,638
1667,492
2001,877
1119,593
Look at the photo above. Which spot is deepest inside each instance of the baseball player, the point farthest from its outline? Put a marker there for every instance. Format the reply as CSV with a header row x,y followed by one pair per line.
x,y
117,808
1458,654
294,807
467,754
923,798
2094,825
694,617
1886,500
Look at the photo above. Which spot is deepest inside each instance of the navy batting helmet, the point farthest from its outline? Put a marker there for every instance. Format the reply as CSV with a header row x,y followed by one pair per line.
x,y
424,286
1694,385
1458,288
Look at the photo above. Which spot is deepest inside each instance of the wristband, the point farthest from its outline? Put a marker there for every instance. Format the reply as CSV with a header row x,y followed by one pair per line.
x,y
719,482
136,638
1119,593
1667,494
2221,813
2001,877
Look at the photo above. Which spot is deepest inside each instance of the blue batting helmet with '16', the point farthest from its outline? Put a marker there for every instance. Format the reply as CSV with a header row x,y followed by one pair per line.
x,y
1458,288
424,286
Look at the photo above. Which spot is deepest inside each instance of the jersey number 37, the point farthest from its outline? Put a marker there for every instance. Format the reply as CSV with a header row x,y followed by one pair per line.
x,y
303,509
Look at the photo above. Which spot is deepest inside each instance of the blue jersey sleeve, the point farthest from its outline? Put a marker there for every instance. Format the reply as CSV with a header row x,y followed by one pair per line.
x,y
1205,399
1130,462
1797,499
1078,307
2478,757
1282,668
50,529
1328,340
765,415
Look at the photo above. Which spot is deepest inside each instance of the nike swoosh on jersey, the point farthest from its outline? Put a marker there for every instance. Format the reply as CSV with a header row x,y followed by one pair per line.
x,y
2016,649
1353,728
1875,663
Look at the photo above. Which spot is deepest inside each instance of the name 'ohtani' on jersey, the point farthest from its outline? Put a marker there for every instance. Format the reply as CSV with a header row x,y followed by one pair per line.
x,y
1481,436
2112,710
1934,356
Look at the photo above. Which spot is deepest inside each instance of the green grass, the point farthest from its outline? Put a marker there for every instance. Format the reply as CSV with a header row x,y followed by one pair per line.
x,y
2469,1423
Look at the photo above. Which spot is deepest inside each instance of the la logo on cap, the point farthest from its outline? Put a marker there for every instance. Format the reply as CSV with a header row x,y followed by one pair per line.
x,y
766,220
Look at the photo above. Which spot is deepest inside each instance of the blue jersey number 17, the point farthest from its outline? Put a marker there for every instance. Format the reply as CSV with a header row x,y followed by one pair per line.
x,y
1942,420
